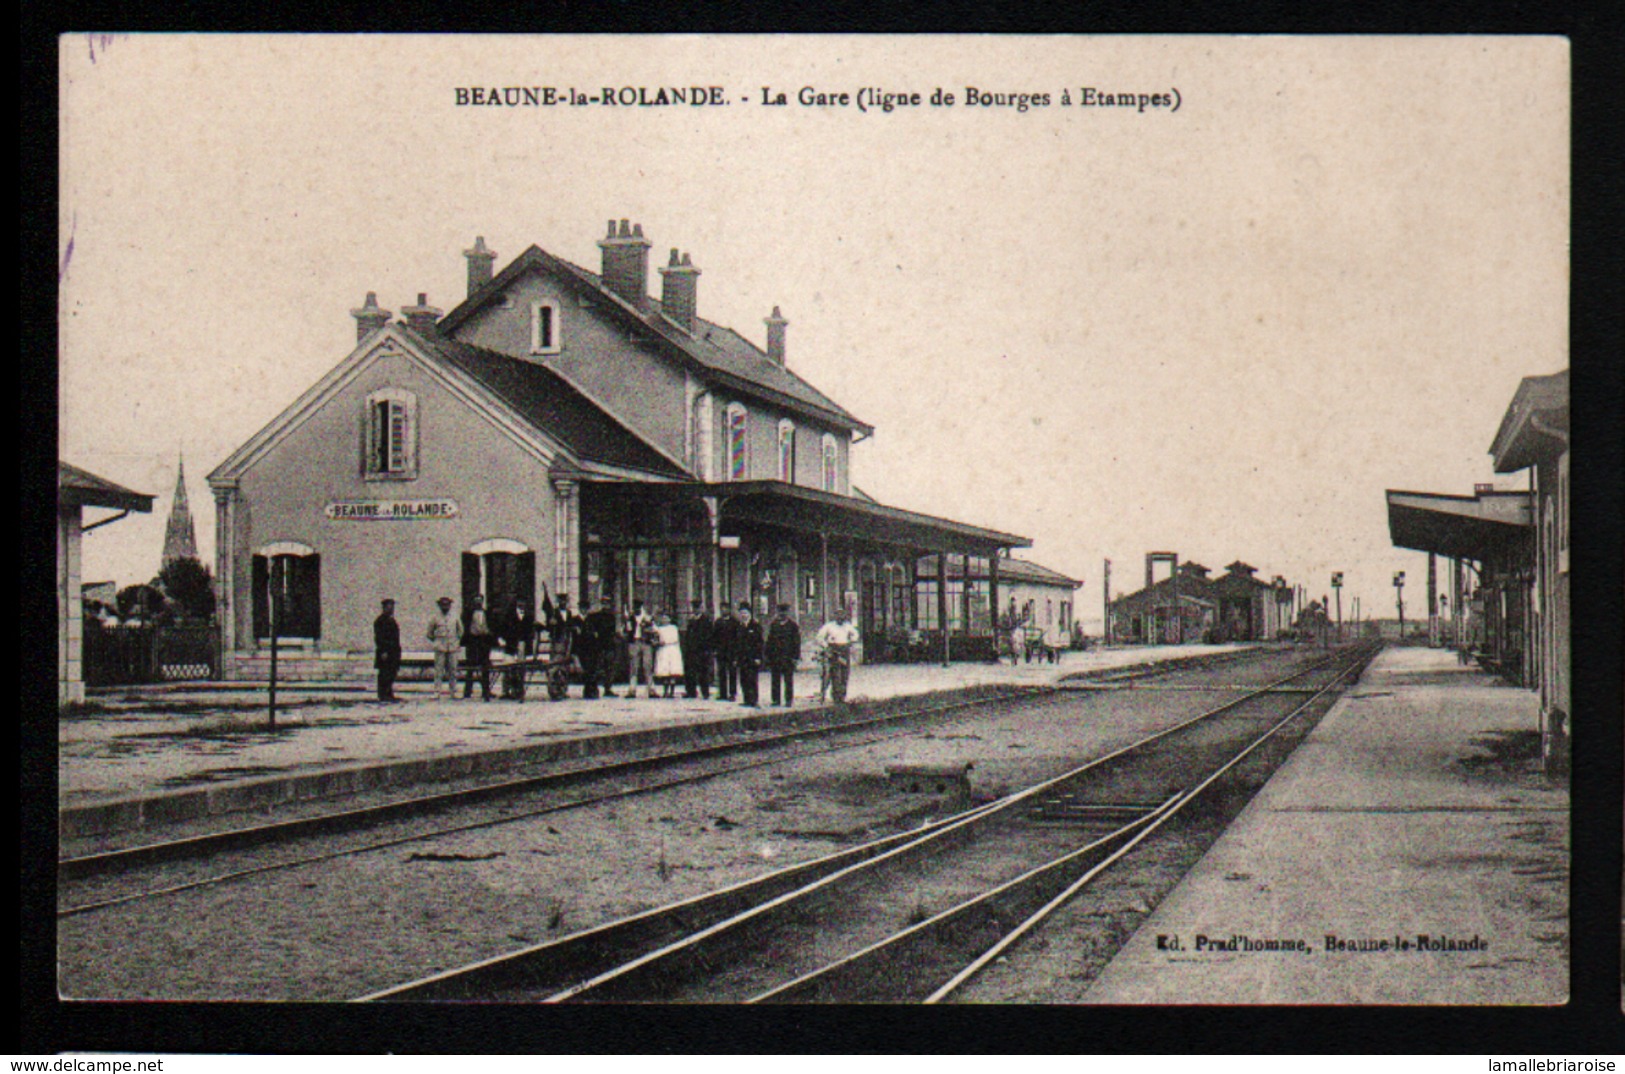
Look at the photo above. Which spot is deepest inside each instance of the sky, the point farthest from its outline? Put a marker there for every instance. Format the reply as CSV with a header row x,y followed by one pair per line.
x,y
1221,330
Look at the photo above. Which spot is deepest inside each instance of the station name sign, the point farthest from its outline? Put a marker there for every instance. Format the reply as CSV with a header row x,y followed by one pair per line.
x,y
391,510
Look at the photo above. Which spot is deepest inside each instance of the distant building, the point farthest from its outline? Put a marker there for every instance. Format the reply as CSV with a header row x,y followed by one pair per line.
x,y
559,432
1188,606
180,538
76,490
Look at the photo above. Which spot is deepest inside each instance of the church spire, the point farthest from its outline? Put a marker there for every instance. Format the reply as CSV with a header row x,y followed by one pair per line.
x,y
180,539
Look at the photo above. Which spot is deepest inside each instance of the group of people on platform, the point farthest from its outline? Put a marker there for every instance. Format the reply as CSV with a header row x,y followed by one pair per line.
x,y
726,651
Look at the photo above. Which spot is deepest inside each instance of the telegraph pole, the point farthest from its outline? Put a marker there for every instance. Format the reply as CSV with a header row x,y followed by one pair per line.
x,y
1106,600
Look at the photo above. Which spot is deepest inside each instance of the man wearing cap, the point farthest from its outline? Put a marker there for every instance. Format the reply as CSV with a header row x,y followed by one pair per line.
x,y
748,646
445,638
783,653
386,644
478,640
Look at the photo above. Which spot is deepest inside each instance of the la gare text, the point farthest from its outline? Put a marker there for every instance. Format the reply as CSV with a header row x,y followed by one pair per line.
x,y
865,99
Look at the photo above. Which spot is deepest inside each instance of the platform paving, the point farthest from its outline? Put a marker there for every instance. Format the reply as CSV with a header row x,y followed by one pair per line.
x,y
171,753
1415,808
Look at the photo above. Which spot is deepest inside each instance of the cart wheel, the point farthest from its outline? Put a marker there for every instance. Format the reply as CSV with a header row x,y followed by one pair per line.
x,y
558,684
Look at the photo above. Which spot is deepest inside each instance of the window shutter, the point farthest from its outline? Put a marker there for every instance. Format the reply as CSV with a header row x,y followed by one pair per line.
x,y
307,596
471,580
400,437
261,585
525,579
369,438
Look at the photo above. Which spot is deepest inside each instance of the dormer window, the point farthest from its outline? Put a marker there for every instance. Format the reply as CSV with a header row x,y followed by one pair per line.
x,y
390,435
831,464
787,451
738,435
544,328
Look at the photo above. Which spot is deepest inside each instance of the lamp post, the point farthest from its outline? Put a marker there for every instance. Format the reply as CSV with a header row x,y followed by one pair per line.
x,y
1337,587
1399,599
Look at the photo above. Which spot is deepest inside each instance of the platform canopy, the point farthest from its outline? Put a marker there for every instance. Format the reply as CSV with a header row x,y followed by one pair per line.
x,y
1466,527
796,507
81,488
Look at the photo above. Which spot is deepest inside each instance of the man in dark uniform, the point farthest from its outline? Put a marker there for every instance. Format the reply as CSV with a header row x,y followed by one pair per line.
x,y
517,630
783,653
697,652
386,642
748,646
598,637
724,639
477,642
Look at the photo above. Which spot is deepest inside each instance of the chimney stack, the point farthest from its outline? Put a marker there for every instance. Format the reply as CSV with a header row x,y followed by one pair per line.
x,y
369,318
775,336
421,316
480,262
626,262
679,282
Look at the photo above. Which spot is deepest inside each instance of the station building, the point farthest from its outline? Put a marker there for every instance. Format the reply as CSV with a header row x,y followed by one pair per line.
x,y
76,490
559,432
1508,553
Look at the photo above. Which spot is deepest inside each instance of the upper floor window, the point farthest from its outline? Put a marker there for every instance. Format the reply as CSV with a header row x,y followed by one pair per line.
x,y
738,434
700,460
544,328
390,434
831,465
787,451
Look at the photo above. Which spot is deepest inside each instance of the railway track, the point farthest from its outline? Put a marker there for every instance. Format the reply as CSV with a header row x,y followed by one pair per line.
x,y
710,761
827,930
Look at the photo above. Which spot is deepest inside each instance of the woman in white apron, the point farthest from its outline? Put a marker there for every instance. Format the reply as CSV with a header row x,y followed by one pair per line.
x,y
668,655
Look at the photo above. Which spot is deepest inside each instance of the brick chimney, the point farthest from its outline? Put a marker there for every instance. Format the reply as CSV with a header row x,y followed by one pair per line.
x,y
775,335
679,282
421,316
626,262
480,262
369,318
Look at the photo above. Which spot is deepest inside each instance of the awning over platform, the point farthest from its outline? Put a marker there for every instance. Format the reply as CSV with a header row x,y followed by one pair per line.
x,y
1475,527
796,507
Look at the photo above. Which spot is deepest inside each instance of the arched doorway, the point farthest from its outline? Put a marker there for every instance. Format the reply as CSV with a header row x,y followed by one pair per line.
x,y
502,571
287,591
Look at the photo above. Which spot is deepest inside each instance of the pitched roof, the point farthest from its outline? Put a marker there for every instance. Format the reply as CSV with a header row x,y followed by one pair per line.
x,y
548,402
717,350
76,487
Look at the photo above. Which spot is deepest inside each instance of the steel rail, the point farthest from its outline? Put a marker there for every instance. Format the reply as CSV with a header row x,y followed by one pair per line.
x,y
557,807
88,865
569,949
1031,876
987,957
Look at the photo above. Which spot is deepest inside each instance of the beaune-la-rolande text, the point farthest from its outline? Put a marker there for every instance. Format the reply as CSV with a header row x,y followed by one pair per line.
x,y
866,99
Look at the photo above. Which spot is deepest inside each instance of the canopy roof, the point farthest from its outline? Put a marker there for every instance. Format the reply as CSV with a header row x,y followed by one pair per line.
x,y
1474,527
76,487
795,507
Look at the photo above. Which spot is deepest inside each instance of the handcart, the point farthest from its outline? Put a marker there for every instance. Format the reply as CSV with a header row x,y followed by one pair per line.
x,y
555,664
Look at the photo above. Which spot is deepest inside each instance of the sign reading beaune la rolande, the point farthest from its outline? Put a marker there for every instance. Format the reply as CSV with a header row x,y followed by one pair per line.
x,y
391,510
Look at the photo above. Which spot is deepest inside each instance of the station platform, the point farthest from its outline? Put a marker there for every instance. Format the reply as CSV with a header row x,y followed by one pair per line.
x,y
1415,808
150,755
